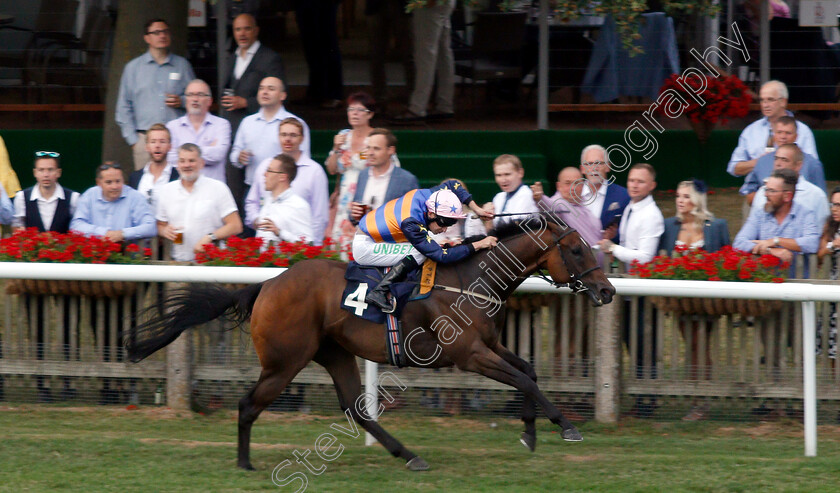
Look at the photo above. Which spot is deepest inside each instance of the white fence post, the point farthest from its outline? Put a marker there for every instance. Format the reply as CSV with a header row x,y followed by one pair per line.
x,y
809,376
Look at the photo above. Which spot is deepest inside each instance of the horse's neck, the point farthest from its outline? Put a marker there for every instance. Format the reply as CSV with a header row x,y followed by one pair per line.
x,y
503,268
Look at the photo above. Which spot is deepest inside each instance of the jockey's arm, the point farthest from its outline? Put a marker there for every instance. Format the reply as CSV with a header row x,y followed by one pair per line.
x,y
421,238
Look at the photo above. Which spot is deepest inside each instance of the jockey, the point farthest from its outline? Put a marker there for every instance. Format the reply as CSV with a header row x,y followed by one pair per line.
x,y
413,218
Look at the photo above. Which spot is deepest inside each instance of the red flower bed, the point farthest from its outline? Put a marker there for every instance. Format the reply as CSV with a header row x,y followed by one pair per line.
x,y
246,253
32,246
724,98
727,264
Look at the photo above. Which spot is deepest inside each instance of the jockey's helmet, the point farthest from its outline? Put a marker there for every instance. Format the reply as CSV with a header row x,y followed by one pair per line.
x,y
444,203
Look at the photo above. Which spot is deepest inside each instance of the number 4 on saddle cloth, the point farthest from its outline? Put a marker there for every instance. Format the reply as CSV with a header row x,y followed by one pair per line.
x,y
361,279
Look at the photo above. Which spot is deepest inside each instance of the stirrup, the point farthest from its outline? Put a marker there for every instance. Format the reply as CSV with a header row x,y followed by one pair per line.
x,y
392,308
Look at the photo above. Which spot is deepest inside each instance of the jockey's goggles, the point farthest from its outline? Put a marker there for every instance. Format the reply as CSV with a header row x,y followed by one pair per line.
x,y
445,222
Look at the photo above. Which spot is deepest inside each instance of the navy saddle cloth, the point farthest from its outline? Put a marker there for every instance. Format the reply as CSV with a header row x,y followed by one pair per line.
x,y
361,280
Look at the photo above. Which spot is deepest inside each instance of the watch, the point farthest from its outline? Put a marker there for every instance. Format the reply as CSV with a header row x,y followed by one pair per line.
x,y
212,236
776,241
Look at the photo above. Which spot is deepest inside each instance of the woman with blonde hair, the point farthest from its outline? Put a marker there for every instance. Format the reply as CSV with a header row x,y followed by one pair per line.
x,y
695,228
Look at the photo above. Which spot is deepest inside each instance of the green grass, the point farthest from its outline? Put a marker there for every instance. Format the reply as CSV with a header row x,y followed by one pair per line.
x,y
110,449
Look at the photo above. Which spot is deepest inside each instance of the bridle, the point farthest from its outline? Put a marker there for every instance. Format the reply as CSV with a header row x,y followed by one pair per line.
x,y
576,284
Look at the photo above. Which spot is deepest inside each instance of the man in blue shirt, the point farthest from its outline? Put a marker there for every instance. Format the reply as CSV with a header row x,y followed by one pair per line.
x,y
757,139
151,89
113,210
782,227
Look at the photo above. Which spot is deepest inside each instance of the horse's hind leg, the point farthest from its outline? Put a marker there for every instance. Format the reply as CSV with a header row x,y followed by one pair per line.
x,y
270,385
344,371
491,365
529,408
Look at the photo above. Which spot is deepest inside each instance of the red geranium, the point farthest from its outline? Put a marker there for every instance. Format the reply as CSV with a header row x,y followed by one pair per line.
x,y
727,264
723,98
246,253
30,245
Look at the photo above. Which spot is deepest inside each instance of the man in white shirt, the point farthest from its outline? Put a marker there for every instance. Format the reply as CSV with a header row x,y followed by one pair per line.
x,y
196,210
642,223
157,171
641,226
515,196
284,216
310,183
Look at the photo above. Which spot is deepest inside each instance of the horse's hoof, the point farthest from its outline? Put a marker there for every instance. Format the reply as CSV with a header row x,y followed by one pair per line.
x,y
530,441
572,435
247,466
417,464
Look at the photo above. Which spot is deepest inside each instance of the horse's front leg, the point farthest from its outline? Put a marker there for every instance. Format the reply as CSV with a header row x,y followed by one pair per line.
x,y
486,362
529,408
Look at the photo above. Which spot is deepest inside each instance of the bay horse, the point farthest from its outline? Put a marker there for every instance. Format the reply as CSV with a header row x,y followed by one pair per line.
x,y
295,318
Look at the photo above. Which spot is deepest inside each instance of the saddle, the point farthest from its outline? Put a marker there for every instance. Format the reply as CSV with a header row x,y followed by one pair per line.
x,y
360,279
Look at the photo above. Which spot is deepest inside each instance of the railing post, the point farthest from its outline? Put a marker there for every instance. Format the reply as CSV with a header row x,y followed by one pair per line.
x,y
178,368
809,377
608,362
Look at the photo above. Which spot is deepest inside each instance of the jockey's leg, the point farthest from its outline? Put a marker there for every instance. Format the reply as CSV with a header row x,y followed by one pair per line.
x,y
396,274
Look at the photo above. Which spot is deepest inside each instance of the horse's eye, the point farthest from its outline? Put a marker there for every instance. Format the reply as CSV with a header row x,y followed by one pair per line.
x,y
576,250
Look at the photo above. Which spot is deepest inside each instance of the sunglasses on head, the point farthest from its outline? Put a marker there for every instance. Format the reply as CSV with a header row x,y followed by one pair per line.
x,y
110,166
47,154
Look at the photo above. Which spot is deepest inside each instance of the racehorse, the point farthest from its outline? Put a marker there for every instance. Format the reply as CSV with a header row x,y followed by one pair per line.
x,y
295,318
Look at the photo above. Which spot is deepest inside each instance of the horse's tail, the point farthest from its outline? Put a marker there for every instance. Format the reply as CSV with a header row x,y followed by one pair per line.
x,y
185,308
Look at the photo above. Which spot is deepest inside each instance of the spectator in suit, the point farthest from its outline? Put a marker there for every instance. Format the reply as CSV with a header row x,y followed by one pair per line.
x,y
310,182
158,170
151,89
247,66
757,140
604,198
694,227
199,127
285,216
784,132
640,228
200,208
47,206
382,180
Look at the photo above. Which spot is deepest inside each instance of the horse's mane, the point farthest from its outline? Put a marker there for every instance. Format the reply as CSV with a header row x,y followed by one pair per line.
x,y
508,229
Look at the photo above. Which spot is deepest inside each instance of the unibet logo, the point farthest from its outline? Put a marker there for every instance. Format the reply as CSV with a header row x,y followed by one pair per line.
x,y
392,248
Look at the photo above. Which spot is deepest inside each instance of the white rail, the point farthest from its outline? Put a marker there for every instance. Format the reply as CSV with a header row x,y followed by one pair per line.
x,y
805,293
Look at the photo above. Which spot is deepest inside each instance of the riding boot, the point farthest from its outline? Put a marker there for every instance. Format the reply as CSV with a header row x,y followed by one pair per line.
x,y
396,274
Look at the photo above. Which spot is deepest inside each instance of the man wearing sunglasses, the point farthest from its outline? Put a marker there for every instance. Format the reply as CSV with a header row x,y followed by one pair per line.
x,y
399,234
151,89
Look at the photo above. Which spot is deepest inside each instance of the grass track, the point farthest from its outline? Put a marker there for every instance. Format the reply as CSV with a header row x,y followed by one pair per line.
x,y
111,449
